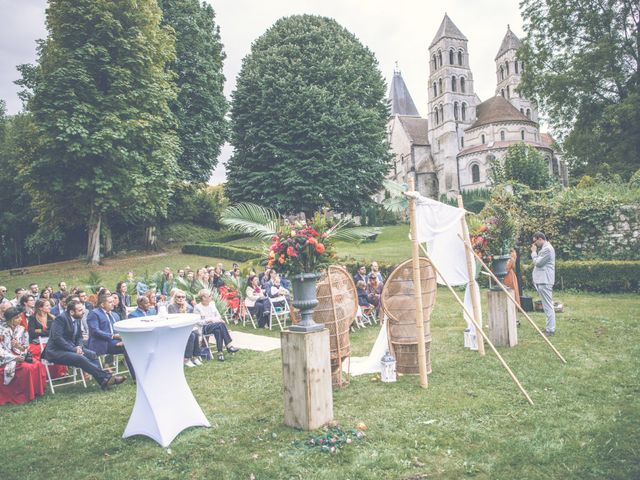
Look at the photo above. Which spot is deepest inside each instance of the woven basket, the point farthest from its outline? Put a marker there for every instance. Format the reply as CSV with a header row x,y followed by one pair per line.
x,y
399,304
337,307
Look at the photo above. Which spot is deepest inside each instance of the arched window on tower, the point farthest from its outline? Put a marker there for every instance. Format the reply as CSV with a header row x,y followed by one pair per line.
x,y
464,111
502,135
501,73
454,84
455,111
459,57
522,111
434,62
507,65
529,113
502,92
508,92
461,142
521,134
451,56
522,66
440,86
482,138
437,115
442,113
435,89
515,65
475,173
439,58
463,86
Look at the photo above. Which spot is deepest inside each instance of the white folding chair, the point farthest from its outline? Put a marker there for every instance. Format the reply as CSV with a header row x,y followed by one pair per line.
x,y
279,309
116,362
69,379
244,313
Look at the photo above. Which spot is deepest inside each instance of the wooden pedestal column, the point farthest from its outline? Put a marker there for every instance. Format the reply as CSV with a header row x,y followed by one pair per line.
x,y
306,369
502,319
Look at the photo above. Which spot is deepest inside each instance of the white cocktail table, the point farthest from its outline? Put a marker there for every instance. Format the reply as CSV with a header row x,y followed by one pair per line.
x,y
164,403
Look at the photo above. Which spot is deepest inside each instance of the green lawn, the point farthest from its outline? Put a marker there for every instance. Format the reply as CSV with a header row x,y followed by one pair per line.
x,y
470,422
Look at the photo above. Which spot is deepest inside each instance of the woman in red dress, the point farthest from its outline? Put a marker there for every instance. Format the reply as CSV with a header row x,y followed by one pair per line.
x,y
20,379
39,324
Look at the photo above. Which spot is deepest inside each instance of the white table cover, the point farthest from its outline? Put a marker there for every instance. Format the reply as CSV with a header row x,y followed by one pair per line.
x,y
164,403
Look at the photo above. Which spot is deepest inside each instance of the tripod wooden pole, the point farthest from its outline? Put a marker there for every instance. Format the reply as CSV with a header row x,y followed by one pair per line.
x,y
504,364
417,284
475,301
510,296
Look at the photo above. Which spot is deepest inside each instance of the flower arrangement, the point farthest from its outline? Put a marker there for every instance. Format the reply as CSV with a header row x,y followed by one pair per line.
x,y
495,235
302,247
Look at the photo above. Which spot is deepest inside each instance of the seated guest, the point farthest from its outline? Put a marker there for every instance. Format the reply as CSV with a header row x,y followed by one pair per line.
x,y
375,271
179,305
34,290
213,323
27,305
3,295
58,309
3,308
374,291
363,298
65,346
361,274
19,292
62,287
256,301
47,293
103,339
124,300
22,377
217,277
82,295
39,326
143,308
151,295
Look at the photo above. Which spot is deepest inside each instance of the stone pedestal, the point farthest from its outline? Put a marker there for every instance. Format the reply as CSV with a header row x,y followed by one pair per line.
x,y
306,370
503,330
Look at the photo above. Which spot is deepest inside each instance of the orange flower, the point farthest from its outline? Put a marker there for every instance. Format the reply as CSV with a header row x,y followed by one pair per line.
x,y
320,248
312,241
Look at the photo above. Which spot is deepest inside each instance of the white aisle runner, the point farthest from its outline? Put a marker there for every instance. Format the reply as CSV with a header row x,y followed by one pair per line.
x,y
370,364
250,341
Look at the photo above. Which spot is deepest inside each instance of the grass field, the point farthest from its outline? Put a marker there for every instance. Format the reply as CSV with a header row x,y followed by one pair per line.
x,y
470,423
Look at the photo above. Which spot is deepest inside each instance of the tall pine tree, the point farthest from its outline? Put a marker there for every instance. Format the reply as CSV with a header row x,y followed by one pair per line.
x,y
100,97
308,120
200,107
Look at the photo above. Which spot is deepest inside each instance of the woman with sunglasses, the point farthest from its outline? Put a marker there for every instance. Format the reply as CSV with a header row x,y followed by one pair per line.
x,y
179,305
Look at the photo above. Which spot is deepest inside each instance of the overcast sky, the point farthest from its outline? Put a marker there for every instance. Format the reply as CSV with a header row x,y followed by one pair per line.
x,y
396,30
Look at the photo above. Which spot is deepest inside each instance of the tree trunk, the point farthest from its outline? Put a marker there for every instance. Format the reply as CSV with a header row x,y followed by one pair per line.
x,y
93,244
108,240
150,238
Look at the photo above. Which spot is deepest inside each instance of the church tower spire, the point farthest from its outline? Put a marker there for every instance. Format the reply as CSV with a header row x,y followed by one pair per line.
x,y
452,100
400,98
508,72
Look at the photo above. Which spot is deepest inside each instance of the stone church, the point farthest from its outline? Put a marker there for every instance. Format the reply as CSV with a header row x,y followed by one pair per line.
x,y
451,149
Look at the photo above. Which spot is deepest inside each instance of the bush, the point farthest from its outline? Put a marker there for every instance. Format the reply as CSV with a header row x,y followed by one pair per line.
x,y
188,232
218,250
594,275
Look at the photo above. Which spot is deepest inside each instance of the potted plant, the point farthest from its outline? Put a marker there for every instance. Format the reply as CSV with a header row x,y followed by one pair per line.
x,y
298,250
494,238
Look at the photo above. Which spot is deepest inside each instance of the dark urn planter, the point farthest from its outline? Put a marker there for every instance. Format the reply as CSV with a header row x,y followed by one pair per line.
x,y
304,299
499,268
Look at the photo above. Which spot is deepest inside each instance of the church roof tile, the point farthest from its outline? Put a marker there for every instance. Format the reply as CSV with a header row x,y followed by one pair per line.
x,y
449,30
416,128
509,42
400,98
496,110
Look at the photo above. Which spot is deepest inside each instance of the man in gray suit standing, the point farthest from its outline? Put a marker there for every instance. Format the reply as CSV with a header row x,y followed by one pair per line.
x,y
544,276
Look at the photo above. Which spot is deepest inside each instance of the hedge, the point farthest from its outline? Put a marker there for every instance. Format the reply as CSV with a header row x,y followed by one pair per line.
x,y
219,250
607,276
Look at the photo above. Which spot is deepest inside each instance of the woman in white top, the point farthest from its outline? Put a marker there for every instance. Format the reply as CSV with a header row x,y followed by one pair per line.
x,y
256,301
213,323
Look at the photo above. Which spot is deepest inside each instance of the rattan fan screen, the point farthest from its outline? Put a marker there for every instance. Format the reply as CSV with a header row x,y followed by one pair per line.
x,y
399,304
337,307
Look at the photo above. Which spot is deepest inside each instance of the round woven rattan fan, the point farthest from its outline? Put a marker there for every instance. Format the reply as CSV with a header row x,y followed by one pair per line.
x,y
337,307
399,304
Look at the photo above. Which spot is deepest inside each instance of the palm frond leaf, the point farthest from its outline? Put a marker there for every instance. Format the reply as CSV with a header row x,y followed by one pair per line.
x,y
395,204
394,188
355,234
256,220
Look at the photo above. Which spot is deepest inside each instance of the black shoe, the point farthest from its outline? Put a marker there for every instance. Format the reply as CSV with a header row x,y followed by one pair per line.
x,y
232,349
549,334
220,357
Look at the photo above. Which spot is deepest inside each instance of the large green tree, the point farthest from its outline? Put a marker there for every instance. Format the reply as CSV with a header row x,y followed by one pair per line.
x,y
308,120
522,164
100,96
581,66
200,107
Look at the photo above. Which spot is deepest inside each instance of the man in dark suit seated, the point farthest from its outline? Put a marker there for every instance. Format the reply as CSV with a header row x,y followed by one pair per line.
x,y
65,346
102,338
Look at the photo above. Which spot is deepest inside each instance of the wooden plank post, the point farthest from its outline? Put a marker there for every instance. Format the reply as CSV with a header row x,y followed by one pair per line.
x,y
503,330
417,283
475,301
